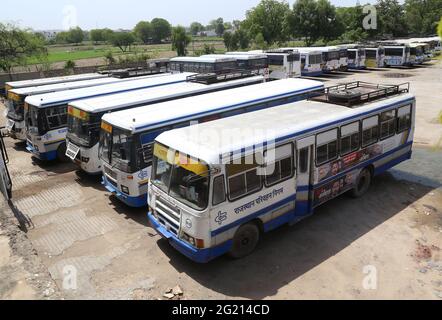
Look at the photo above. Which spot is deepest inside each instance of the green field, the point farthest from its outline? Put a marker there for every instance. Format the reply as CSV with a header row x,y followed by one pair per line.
x,y
89,51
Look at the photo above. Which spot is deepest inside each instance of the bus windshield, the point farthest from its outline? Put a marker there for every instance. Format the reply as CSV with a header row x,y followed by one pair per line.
x,y
183,177
117,148
83,127
33,117
14,106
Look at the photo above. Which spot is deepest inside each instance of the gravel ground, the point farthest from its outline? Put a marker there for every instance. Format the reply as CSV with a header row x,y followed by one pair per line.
x,y
86,245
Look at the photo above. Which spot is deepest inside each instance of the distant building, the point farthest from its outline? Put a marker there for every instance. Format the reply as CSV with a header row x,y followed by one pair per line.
x,y
208,33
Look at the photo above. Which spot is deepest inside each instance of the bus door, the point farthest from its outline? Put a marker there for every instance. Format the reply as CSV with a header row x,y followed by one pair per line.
x,y
5,178
305,176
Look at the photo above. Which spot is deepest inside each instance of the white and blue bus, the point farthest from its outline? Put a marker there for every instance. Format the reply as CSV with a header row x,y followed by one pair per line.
x,y
256,63
203,64
15,122
54,80
127,137
84,116
397,55
46,115
282,63
216,187
312,61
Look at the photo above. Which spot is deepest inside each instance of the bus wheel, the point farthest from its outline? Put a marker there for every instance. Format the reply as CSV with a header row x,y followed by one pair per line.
x,y
61,153
245,241
363,183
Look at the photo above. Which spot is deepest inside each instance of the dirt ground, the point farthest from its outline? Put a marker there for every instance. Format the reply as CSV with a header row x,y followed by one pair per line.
x,y
86,245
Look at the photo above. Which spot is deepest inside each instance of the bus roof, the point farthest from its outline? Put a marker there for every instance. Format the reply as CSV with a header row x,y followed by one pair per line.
x,y
204,59
47,81
305,50
149,95
250,56
272,124
66,96
139,119
27,91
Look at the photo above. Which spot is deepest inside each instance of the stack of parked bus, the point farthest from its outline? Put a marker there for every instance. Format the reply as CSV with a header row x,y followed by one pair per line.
x,y
218,153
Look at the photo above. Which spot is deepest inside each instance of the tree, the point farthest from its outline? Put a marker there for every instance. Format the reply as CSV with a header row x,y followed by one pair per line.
x,y
391,18
230,41
75,35
122,40
108,34
218,26
143,31
302,21
196,27
268,19
228,26
96,35
422,16
180,40
326,20
439,28
161,29
16,46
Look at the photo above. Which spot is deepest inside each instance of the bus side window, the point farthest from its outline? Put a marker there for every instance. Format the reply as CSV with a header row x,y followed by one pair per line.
x,y
370,131
243,179
303,160
219,190
388,124
349,138
281,166
403,119
327,146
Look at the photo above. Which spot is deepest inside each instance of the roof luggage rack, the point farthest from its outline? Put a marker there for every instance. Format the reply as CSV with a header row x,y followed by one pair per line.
x,y
281,51
221,76
356,93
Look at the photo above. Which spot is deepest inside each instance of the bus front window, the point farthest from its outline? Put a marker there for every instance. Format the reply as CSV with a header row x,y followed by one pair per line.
x,y
182,177
83,128
32,119
116,149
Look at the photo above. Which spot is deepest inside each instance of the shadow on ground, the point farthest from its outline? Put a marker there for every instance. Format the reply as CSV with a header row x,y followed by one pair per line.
x,y
289,252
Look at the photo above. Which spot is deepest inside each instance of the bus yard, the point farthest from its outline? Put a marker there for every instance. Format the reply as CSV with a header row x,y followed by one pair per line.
x,y
76,227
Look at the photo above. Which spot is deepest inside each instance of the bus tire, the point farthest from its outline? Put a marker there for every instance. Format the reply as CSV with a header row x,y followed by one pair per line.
x,y
61,153
245,241
362,184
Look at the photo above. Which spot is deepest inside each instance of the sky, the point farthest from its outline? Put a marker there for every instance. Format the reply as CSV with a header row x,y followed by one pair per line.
x,y
124,14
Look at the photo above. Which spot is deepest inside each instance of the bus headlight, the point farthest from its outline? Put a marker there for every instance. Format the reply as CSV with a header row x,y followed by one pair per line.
x,y
197,243
125,189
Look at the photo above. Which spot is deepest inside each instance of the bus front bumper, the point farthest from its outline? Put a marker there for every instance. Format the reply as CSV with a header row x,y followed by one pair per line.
x,y
134,202
194,254
44,156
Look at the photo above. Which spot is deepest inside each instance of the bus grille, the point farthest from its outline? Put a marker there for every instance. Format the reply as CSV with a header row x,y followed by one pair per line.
x,y
110,173
168,216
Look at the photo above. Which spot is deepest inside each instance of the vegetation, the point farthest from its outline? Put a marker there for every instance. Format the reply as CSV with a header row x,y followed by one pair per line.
x,y
439,28
143,31
75,35
16,46
161,30
122,40
180,40
196,27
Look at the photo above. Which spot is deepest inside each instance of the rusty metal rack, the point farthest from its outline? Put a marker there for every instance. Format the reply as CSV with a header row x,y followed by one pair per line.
x,y
221,76
356,93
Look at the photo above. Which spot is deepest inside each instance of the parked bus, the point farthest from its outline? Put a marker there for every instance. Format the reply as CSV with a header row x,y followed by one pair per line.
x,y
331,57
46,115
210,195
256,63
15,123
356,58
375,57
47,81
84,116
203,65
417,55
127,137
343,56
397,55
312,63
283,64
